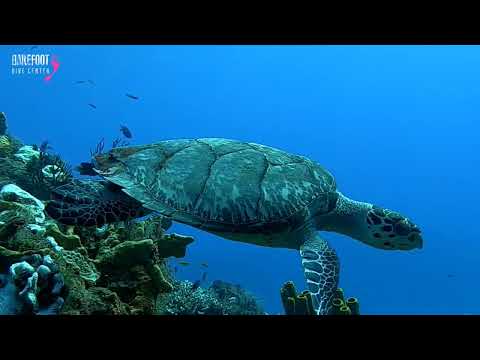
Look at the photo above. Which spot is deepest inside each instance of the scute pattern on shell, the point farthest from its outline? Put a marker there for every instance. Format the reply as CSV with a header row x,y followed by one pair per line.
x,y
219,180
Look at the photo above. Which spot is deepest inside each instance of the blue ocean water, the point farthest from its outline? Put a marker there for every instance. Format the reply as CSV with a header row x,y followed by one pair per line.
x,y
396,125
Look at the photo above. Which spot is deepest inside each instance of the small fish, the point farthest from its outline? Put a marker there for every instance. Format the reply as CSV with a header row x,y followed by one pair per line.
x,y
204,264
86,168
196,285
184,263
84,82
93,106
132,96
126,131
204,276
450,275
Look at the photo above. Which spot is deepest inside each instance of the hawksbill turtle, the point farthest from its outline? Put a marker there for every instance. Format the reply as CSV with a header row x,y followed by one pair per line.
x,y
239,191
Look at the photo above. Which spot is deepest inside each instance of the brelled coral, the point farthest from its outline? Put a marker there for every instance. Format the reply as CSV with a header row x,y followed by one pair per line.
x,y
351,306
294,303
301,304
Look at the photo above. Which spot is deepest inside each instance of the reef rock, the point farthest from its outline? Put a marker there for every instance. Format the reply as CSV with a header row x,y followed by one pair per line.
x,y
94,301
127,254
6,147
12,193
66,241
13,170
39,288
26,153
77,265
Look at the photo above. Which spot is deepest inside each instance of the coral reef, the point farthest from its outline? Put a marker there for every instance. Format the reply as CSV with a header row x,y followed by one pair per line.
x,y
30,167
46,171
66,241
184,300
39,286
221,298
235,299
27,154
47,268
12,170
118,269
6,148
3,124
21,201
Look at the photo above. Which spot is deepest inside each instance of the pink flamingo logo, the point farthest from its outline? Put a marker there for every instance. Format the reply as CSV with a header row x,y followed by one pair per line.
x,y
55,65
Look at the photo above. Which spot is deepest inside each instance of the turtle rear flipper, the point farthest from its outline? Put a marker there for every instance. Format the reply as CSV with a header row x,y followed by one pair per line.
x,y
92,203
321,268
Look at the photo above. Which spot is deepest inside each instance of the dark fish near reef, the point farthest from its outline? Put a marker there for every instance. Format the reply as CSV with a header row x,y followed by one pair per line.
x,y
93,106
126,131
184,263
132,96
45,146
86,168
204,264
175,269
196,285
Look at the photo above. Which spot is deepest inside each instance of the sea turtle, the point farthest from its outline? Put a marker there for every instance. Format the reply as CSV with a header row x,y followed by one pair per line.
x,y
240,191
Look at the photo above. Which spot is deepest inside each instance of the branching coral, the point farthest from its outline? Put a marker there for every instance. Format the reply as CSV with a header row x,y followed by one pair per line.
x,y
47,172
184,300
222,298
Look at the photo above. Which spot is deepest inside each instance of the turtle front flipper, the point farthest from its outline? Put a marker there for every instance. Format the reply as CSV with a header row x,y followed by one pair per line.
x,y
321,267
92,203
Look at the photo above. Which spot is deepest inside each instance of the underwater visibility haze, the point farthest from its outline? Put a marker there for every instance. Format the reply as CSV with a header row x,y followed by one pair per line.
x,y
391,126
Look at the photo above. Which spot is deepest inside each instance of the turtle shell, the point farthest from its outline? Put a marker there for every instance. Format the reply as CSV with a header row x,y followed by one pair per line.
x,y
220,184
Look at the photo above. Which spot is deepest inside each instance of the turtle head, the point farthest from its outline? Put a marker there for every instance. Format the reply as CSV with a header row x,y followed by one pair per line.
x,y
389,230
